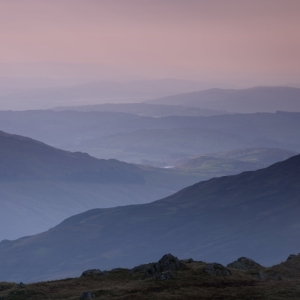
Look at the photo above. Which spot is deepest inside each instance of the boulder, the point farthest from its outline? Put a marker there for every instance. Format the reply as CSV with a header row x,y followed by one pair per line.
x,y
92,272
141,268
165,275
259,275
166,264
87,295
216,269
244,263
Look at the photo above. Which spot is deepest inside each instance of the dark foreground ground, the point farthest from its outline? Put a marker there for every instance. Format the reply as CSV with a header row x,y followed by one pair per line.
x,y
189,280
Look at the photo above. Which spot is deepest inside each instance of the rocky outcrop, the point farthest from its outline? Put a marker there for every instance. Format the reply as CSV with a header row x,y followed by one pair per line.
x,y
259,275
164,275
244,263
141,268
216,269
291,256
163,269
92,272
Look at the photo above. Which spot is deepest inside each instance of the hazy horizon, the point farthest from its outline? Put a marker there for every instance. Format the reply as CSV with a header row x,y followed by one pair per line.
x,y
231,44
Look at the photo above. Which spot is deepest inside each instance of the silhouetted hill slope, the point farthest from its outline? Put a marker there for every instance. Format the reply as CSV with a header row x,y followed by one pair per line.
x,y
40,185
25,158
253,214
258,99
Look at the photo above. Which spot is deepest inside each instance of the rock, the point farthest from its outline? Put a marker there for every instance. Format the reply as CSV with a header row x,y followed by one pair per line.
x,y
216,269
259,275
244,263
87,295
275,277
291,256
141,268
167,263
92,272
165,275
190,260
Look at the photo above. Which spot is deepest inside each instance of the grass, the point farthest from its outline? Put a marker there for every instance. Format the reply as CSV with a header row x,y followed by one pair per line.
x,y
189,283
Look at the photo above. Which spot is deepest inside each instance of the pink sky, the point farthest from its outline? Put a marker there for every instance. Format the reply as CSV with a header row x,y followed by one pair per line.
x,y
166,38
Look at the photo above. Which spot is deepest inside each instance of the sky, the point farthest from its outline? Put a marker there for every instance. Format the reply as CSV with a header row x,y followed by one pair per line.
x,y
255,41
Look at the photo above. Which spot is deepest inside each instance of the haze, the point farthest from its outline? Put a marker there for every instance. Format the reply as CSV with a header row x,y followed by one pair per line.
x,y
143,139
229,43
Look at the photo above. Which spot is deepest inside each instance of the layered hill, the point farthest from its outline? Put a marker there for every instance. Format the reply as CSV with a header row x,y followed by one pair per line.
x,y
253,214
134,138
258,99
41,185
26,93
145,109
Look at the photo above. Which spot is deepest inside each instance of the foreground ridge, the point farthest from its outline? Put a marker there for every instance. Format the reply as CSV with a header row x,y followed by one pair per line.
x,y
171,278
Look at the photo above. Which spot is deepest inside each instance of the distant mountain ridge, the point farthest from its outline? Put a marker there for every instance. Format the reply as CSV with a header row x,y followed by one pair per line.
x,y
251,100
145,109
255,214
23,94
134,138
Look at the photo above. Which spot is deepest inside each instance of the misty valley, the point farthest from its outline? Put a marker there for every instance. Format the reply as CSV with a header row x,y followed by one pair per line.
x,y
212,187
149,150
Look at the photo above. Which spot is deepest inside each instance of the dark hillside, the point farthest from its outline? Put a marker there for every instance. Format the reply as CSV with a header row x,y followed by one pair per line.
x,y
253,214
